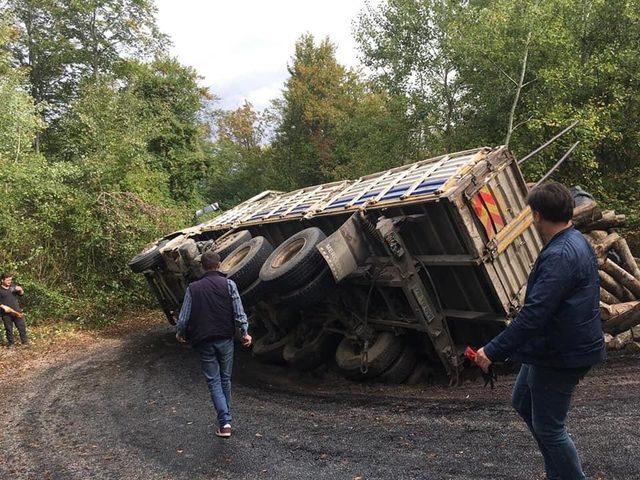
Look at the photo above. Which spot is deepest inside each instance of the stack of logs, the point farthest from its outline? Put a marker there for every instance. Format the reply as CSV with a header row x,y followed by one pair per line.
x,y
619,282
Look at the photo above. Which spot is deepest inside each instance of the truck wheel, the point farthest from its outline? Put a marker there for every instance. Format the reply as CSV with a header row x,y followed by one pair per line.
x,y
268,349
311,352
313,292
147,259
294,262
229,243
252,294
400,370
243,264
385,349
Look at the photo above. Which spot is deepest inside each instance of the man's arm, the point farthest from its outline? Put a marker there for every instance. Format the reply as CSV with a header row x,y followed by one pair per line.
x,y
183,317
555,280
17,289
239,316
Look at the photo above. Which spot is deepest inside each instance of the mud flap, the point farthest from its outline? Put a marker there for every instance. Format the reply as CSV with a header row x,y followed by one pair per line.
x,y
345,249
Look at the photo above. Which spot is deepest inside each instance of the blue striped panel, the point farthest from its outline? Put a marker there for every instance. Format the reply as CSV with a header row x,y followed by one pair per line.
x,y
396,192
428,187
298,209
340,202
366,197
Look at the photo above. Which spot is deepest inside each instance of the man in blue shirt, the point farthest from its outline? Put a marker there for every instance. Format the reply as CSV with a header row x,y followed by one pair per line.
x,y
211,311
557,336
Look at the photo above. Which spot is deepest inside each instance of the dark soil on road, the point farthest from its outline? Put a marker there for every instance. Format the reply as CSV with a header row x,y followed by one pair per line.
x,y
136,407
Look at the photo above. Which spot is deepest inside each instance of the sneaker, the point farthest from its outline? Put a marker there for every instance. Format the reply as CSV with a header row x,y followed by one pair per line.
x,y
224,432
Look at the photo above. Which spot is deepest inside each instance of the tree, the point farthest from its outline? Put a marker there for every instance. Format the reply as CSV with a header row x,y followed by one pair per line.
x,y
19,115
328,121
62,42
154,111
407,46
316,97
521,71
109,30
181,110
239,163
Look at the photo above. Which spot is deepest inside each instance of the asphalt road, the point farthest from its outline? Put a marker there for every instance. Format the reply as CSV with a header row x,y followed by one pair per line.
x,y
137,408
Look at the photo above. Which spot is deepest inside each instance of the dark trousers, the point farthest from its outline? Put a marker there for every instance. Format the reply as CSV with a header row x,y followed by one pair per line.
x,y
542,397
9,321
216,359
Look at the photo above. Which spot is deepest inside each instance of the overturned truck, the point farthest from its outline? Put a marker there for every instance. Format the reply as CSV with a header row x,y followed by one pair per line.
x,y
383,277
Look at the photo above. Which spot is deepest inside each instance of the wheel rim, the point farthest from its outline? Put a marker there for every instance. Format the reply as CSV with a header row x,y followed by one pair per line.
x,y
288,252
235,258
228,240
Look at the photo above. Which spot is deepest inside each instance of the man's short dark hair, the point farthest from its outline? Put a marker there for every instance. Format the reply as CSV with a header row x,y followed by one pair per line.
x,y
210,260
6,275
553,201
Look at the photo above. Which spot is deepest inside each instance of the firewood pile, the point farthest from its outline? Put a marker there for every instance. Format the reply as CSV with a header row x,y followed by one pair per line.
x,y
619,275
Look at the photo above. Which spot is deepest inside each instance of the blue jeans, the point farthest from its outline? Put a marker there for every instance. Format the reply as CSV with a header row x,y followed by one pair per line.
x,y
216,359
542,396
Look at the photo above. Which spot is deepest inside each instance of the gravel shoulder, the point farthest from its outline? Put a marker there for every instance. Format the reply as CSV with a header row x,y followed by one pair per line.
x,y
131,404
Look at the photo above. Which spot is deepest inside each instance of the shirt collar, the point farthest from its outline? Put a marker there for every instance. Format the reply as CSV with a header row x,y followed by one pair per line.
x,y
214,273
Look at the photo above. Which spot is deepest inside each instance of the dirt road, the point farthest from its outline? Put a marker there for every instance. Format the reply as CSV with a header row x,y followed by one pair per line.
x,y
136,407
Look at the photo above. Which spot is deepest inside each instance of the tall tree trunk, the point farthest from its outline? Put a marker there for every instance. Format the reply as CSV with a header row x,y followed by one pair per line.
x,y
519,87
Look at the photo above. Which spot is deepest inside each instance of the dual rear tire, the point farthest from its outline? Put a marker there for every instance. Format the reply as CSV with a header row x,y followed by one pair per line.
x,y
389,359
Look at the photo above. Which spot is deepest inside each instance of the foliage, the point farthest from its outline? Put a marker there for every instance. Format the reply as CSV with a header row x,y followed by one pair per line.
x,y
19,120
239,164
407,45
121,168
582,59
328,121
63,42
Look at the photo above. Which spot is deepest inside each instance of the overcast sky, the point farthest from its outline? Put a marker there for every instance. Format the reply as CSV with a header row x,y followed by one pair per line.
x,y
241,47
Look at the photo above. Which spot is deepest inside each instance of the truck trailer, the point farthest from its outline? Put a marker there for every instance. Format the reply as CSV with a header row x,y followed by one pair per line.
x,y
379,277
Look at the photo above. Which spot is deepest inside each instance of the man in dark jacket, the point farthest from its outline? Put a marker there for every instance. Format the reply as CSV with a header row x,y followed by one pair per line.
x,y
557,336
210,312
10,309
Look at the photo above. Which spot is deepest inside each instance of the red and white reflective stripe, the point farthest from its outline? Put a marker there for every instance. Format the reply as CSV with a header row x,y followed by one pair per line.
x,y
492,207
483,215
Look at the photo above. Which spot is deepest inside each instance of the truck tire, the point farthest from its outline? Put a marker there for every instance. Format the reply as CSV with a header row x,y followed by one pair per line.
x,y
294,262
400,370
312,293
384,350
252,294
231,242
269,350
311,352
148,258
244,263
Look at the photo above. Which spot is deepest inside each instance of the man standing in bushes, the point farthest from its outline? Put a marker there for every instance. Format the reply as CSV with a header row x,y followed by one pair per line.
x,y
557,336
210,312
11,311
